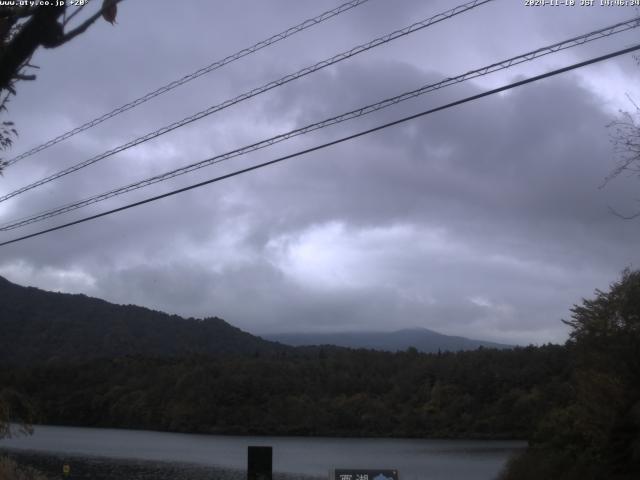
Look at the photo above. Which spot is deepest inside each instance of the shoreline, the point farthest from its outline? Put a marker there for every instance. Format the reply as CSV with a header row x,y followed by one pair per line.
x,y
108,468
353,436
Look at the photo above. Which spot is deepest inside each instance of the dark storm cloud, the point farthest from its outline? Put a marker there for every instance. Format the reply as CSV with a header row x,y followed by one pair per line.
x,y
538,153
484,220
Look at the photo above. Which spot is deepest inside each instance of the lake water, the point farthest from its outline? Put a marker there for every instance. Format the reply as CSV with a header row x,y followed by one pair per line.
x,y
414,459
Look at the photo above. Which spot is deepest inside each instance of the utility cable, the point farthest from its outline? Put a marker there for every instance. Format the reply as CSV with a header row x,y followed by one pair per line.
x,y
334,142
504,64
192,76
256,91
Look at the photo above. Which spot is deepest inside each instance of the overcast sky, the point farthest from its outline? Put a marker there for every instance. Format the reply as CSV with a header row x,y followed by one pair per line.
x,y
484,220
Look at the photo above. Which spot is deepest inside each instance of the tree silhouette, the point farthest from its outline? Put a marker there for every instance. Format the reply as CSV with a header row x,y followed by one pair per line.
x,y
24,29
625,136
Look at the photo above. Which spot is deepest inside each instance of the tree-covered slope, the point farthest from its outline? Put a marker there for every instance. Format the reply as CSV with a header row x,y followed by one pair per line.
x,y
39,326
597,435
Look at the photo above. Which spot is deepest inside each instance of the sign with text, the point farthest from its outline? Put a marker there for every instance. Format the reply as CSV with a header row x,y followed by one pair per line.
x,y
351,474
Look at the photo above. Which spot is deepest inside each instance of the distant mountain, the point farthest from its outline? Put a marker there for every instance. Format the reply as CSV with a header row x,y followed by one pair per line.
x,y
422,339
39,326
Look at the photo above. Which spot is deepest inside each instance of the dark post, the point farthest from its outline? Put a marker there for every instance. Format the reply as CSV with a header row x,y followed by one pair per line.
x,y
260,463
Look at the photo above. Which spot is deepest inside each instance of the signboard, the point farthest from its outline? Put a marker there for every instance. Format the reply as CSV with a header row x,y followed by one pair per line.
x,y
369,474
260,463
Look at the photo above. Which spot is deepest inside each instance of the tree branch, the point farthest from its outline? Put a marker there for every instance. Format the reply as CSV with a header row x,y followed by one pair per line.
x,y
84,25
76,11
41,29
17,12
22,76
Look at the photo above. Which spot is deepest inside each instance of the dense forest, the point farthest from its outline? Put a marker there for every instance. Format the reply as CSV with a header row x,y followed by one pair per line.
x,y
485,393
596,435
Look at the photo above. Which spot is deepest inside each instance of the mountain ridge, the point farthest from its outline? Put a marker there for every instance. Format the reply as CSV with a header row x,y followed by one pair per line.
x,y
39,326
423,339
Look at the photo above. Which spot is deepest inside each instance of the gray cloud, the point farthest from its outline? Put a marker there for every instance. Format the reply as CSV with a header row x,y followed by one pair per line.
x,y
483,220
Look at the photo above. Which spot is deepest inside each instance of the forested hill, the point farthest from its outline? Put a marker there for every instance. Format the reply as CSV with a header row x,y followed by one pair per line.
x,y
38,326
422,339
486,393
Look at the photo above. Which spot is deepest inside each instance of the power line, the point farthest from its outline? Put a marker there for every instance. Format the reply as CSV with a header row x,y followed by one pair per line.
x,y
607,31
334,142
192,76
529,56
256,91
